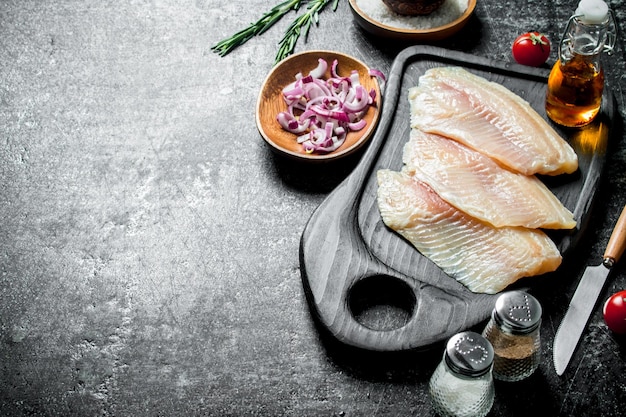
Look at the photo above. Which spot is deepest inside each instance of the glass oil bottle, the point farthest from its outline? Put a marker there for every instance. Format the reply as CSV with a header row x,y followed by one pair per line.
x,y
513,331
576,82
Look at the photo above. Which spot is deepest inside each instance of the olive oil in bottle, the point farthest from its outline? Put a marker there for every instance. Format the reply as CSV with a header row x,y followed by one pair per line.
x,y
576,82
574,92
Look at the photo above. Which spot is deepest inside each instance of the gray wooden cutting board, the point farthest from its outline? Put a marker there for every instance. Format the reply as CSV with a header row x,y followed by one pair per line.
x,y
351,261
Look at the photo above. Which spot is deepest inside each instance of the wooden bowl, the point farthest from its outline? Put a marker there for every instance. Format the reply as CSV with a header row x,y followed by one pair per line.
x,y
271,102
434,34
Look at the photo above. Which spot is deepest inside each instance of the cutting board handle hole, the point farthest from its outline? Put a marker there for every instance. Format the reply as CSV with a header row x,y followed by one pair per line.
x,y
382,302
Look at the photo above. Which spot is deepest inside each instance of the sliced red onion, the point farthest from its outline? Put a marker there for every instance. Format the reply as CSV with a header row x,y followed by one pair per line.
x,y
328,109
377,73
356,126
319,72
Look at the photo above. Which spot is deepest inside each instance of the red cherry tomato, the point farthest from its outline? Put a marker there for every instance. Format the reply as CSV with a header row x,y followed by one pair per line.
x,y
531,48
615,312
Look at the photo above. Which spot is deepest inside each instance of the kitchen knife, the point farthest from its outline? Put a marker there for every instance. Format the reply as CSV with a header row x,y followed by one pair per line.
x,y
585,298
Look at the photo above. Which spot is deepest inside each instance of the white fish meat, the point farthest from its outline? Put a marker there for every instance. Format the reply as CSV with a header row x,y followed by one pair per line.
x,y
484,258
491,119
476,184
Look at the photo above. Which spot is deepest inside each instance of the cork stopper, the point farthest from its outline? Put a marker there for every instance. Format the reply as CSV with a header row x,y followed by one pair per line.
x,y
592,12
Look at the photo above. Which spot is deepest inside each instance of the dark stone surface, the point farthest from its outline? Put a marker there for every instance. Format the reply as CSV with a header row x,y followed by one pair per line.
x,y
149,238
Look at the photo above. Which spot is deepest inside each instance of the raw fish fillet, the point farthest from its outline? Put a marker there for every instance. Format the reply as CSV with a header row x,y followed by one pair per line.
x,y
491,119
484,258
477,185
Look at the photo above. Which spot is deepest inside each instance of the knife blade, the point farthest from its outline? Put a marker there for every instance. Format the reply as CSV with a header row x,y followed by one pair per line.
x,y
585,298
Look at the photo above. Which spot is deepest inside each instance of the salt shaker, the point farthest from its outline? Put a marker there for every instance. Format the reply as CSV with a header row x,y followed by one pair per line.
x,y
462,384
513,331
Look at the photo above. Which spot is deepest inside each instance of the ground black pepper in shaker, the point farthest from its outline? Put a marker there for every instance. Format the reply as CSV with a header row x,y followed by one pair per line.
x,y
514,333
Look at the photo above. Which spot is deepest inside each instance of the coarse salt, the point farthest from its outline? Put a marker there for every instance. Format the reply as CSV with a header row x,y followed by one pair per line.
x,y
449,11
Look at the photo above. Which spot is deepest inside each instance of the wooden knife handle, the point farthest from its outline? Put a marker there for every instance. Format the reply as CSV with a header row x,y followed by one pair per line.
x,y
617,241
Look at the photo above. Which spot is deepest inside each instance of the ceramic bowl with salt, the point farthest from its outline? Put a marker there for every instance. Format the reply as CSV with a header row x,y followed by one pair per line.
x,y
377,18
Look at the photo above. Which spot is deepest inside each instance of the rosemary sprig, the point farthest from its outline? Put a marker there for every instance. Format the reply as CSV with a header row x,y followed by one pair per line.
x,y
224,47
301,26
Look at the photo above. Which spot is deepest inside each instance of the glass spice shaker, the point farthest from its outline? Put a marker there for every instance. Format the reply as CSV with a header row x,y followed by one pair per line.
x,y
513,331
576,82
462,383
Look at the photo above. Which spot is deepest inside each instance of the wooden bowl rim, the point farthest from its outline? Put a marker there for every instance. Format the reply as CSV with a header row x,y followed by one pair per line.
x,y
273,134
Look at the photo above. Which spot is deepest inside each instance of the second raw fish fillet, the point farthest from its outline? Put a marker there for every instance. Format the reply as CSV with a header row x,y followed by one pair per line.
x,y
476,184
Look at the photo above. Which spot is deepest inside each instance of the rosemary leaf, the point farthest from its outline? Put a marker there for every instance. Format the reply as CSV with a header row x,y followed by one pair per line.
x,y
225,46
300,26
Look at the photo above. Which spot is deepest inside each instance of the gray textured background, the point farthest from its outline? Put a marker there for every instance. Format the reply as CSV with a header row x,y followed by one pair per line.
x,y
149,238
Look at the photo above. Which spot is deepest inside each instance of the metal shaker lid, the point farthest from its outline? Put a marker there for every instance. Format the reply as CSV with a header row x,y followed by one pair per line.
x,y
517,312
469,353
